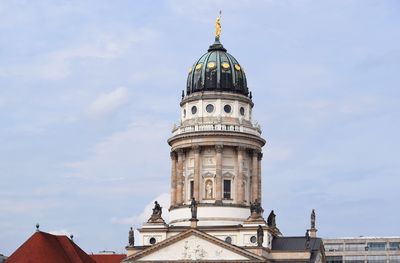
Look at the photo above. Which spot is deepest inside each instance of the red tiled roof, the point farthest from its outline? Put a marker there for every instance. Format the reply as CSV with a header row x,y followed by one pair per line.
x,y
47,248
108,258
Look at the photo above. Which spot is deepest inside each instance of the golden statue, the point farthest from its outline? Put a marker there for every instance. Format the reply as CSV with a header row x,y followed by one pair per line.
x,y
218,26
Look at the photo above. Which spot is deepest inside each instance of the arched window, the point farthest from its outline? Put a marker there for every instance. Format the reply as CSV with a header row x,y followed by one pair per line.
x,y
227,189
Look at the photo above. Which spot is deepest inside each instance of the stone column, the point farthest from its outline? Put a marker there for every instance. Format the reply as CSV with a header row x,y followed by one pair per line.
x,y
218,173
173,178
240,191
180,179
260,155
196,190
254,176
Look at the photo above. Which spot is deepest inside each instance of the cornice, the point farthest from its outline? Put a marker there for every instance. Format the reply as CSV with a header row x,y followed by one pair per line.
x,y
216,95
216,134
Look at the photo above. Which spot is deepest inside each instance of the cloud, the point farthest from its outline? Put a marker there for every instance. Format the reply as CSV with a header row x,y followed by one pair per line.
x,y
138,219
58,64
107,103
62,232
126,154
26,206
278,153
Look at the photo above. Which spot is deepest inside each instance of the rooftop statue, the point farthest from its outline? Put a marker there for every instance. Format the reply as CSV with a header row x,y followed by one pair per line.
x,y
131,238
260,236
256,207
193,208
313,219
271,219
218,26
157,210
156,216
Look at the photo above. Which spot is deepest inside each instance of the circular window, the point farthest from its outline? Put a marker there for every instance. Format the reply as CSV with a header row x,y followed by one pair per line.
x,y
211,65
225,65
253,239
194,110
152,241
198,66
228,240
210,108
237,67
227,108
241,111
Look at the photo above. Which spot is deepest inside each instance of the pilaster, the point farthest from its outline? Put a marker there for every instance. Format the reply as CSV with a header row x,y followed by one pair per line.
x,y
173,178
254,176
260,155
218,173
196,190
180,179
240,191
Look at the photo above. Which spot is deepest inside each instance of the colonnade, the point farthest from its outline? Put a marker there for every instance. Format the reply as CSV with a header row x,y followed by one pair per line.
x,y
178,187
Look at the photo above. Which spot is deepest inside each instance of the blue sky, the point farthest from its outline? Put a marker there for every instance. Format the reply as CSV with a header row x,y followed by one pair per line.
x,y
89,92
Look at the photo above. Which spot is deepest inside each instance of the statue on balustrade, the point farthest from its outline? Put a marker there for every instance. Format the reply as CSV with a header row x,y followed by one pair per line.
x,y
271,219
156,216
256,210
193,208
260,236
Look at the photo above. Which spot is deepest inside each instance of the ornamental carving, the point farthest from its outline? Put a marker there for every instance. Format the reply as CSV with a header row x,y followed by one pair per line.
x,y
218,148
209,189
193,251
196,148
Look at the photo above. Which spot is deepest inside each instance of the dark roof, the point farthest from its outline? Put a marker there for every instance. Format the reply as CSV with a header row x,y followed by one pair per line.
x,y
299,244
108,258
47,248
217,70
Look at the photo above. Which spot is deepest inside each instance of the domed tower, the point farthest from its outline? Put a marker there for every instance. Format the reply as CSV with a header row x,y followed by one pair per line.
x,y
215,213
216,149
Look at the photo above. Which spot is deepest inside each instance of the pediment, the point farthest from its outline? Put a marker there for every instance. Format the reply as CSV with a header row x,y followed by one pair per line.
x,y
228,175
208,175
193,245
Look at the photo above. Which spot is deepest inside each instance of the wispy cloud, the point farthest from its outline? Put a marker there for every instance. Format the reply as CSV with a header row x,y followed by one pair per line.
x,y
26,206
107,103
58,64
138,219
63,232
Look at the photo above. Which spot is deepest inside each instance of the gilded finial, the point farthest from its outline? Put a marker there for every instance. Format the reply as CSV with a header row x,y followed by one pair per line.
x,y
218,26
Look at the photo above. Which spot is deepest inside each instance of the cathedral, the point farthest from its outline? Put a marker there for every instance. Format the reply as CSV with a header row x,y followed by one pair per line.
x,y
216,213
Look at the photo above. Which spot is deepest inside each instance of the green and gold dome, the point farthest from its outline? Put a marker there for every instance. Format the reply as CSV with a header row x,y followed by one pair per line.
x,y
217,70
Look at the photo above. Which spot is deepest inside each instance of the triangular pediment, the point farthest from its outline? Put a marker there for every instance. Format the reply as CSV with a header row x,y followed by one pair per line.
x,y
194,245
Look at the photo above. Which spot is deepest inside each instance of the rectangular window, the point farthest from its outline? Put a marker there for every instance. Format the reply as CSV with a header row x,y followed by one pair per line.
x,y
227,189
333,247
334,259
355,247
394,245
354,259
376,246
394,259
191,189
376,259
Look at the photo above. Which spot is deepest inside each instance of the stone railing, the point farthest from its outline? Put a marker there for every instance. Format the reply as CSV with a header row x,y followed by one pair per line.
x,y
215,127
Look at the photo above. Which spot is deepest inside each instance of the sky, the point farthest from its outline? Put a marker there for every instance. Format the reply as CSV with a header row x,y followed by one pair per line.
x,y
90,90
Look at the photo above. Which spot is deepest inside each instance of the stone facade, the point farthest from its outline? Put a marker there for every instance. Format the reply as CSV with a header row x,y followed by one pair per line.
x,y
216,213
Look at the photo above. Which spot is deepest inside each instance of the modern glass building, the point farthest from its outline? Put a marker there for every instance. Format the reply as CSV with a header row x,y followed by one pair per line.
x,y
362,250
